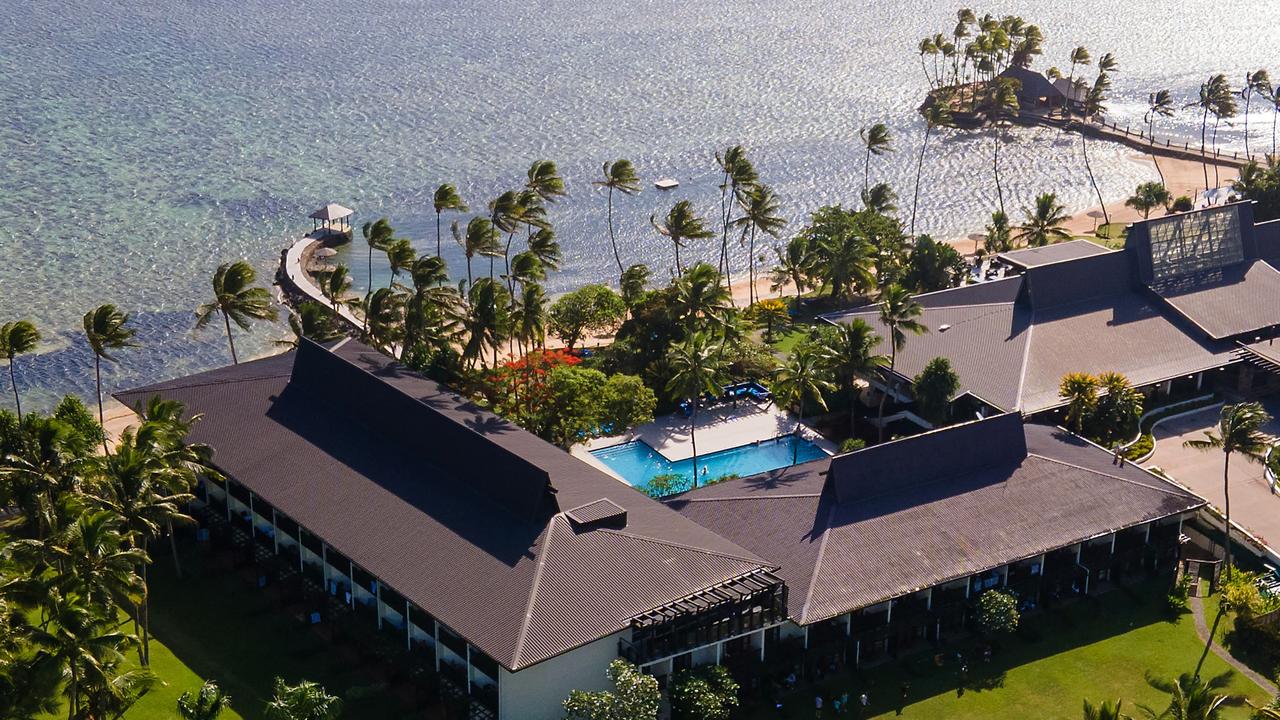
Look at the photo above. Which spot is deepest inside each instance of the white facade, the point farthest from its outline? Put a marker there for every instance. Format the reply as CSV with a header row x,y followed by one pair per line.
x,y
538,692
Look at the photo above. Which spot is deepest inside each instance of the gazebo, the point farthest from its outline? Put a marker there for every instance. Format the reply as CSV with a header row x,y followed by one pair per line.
x,y
332,218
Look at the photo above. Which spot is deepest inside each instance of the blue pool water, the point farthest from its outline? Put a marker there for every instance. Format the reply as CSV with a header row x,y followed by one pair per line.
x,y
638,463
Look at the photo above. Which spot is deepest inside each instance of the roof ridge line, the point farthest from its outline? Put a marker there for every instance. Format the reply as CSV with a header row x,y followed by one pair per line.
x,y
209,383
668,543
1167,491
533,592
789,496
1026,360
817,565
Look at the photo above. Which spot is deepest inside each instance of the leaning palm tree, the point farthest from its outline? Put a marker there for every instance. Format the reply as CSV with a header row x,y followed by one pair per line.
x,y
207,703
1080,390
1001,101
1192,698
634,280
544,179
876,140
481,238
1106,710
696,367
681,225
1149,196
400,256
618,175
802,377
738,177
880,199
759,213
1208,101
312,321
305,701
17,338
377,235
1044,221
105,329
1159,104
334,284
997,237
446,198
237,299
899,313
793,265
543,244
936,115
1239,432
1079,56
852,347
1257,82
386,318
1093,107
701,299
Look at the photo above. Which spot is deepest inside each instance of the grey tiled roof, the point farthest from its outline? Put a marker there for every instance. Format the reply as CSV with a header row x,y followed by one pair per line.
x,y
840,553
458,510
1057,252
1227,301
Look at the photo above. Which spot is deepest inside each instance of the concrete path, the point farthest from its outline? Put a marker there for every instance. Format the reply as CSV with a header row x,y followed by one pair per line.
x,y
1202,629
1252,503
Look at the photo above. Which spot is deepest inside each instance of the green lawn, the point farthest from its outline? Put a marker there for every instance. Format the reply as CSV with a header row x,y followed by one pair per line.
x,y
1096,651
785,341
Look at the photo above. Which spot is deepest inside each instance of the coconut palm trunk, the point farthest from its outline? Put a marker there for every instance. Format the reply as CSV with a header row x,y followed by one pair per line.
x,y
612,238
1151,139
995,164
915,200
226,319
1084,150
1204,159
1226,504
693,438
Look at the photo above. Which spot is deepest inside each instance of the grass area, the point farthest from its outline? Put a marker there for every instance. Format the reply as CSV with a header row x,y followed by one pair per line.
x,y
784,341
1093,649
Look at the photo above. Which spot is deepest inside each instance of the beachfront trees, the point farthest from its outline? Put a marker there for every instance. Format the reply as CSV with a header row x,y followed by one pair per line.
x,y
505,213
635,696
876,140
1079,56
1210,100
17,338
313,321
1147,197
206,703
1106,710
618,175
237,299
840,249
933,265
1080,390
700,299
1260,183
738,177
997,238
851,349
481,238
802,377
1192,697
1239,432
934,387
1159,104
105,329
1093,107
590,310
1257,82
880,199
485,324
378,234
1044,222
759,213
400,256
446,197
696,367
899,313
792,266
936,115
681,225
1001,102
305,701
333,285
634,281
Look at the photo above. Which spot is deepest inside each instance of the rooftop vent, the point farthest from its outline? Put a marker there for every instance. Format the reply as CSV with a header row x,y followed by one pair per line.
x,y
598,513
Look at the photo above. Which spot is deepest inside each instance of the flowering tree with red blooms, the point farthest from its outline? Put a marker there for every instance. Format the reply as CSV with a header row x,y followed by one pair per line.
x,y
519,387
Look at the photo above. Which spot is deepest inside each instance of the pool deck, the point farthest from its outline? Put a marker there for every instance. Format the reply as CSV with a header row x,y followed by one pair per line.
x,y
719,428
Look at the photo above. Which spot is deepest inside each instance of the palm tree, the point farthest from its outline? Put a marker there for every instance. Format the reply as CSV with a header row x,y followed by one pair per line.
x,y
852,348
1149,196
898,312
877,141
739,177
1043,225
312,321
334,284
927,47
400,256
529,319
1093,107
1239,432
446,198
1191,698
1256,82
1002,100
1224,107
544,179
85,645
1211,93
386,318
1273,99
997,238
481,239
543,244
936,115
1080,390
207,703
759,213
802,377
1106,710
17,338
505,212
696,367
618,175
1119,406
880,199
700,298
305,701
1159,104
377,235
634,280
485,325
237,299
792,267
681,225
104,329
1079,56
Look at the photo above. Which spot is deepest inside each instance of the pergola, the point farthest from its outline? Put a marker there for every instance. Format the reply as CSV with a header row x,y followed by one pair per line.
x,y
332,217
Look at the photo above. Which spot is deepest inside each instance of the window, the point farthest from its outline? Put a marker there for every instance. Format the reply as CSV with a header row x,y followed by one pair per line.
x,y
1194,242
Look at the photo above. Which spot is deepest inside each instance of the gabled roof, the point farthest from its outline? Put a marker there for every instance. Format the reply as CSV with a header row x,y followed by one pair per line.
x,y
1016,492
1229,301
1057,252
458,510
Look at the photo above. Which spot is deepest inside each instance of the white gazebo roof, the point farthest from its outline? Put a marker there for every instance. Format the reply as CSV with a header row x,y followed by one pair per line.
x,y
332,211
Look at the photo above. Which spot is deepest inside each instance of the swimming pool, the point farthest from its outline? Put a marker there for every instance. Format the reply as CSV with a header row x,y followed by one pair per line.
x,y
638,463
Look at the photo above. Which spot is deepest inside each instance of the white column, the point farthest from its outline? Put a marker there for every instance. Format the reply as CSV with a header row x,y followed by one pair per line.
x,y
1113,543
301,565
806,637
351,573
1079,549
378,600
408,627
848,624
857,652
888,616
719,651
763,638
928,600
324,566
252,525
435,632
1147,540
275,532
968,585
468,666
226,496
1199,379
1005,580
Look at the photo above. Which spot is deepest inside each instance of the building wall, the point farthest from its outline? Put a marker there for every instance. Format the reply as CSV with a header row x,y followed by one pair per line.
x,y
538,692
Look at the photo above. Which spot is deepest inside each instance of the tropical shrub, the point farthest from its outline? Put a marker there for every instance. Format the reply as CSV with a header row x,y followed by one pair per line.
x,y
771,314
934,387
1176,600
705,694
666,484
591,309
852,445
998,611
635,696
1182,203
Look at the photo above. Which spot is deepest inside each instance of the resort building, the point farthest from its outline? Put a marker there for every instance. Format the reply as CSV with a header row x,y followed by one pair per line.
x,y
518,572
1178,307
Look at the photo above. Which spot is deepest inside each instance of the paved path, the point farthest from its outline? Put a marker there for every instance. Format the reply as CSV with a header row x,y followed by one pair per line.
x,y
1252,503
1202,629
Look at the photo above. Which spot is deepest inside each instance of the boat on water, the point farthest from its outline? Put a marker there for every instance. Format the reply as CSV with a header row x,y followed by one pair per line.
x,y
666,183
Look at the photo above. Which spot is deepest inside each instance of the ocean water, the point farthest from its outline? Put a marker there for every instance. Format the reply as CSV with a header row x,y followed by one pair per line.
x,y
143,142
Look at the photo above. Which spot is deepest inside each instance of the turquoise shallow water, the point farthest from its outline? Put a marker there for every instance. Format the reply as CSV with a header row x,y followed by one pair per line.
x,y
144,142
638,463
